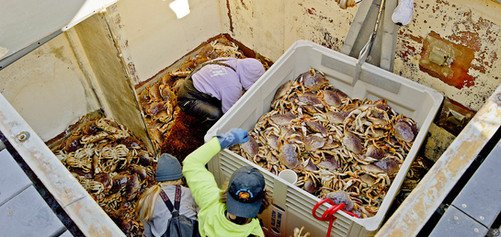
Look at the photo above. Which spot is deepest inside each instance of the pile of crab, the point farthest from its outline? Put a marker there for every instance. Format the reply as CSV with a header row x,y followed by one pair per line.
x,y
342,148
113,166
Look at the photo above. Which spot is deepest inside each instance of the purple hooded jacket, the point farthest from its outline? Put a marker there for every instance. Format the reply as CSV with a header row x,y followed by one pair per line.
x,y
225,84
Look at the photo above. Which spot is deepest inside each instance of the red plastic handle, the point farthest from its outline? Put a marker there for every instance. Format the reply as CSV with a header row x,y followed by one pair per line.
x,y
323,218
329,213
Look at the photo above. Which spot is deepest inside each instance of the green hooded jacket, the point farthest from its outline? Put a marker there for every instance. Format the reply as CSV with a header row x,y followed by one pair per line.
x,y
211,217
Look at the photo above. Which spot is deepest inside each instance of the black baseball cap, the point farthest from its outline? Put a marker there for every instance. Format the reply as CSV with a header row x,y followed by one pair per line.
x,y
245,192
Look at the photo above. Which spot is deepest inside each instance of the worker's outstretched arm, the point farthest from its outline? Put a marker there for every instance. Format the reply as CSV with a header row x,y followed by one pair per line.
x,y
201,182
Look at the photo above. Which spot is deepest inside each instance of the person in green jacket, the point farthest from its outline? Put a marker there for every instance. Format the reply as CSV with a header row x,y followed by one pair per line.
x,y
230,212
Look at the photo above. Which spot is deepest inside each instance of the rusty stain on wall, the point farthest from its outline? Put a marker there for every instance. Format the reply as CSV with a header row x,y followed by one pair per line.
x,y
229,15
447,61
472,25
310,11
243,5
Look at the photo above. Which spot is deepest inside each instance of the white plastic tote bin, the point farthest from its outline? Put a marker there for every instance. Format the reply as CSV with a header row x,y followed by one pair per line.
x,y
292,205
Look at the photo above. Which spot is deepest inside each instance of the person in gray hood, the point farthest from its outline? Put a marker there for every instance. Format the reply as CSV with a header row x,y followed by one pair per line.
x,y
151,207
213,87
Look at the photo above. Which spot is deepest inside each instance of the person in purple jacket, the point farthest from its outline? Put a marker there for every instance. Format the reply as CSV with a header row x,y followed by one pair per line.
x,y
212,88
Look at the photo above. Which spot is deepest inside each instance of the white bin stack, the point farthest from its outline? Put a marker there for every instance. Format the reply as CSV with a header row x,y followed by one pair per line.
x,y
292,205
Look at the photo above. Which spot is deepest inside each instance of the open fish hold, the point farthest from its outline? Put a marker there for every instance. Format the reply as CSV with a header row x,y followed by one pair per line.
x,y
293,204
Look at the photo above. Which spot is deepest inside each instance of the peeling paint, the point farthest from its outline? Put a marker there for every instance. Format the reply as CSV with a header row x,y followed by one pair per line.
x,y
475,25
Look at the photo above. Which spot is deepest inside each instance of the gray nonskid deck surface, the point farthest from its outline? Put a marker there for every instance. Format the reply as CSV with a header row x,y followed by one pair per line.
x,y
23,211
474,210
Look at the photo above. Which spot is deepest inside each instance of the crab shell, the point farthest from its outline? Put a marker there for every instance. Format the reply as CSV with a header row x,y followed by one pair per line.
x,y
309,99
251,148
72,144
155,107
308,165
352,142
331,98
166,93
132,143
330,163
144,97
339,197
154,92
374,152
105,179
145,158
281,91
313,80
389,165
314,142
132,188
317,127
288,156
405,130
140,170
336,117
282,119
369,180
119,182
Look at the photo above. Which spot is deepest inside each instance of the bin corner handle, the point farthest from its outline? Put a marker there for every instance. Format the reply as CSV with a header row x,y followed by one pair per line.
x,y
329,213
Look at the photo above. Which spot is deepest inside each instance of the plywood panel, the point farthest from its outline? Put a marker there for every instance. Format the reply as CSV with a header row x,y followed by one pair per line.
x,y
114,88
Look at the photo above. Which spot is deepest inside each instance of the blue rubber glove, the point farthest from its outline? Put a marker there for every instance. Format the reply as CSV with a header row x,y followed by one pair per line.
x,y
234,136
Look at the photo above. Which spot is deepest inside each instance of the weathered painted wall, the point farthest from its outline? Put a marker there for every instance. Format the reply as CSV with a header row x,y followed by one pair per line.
x,y
48,88
475,24
270,27
156,38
